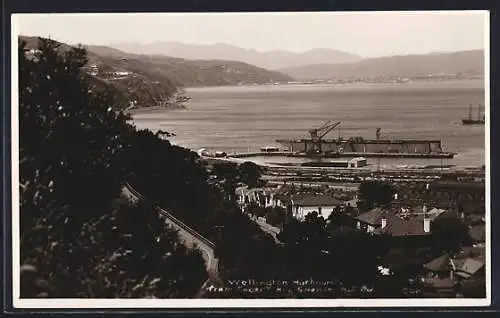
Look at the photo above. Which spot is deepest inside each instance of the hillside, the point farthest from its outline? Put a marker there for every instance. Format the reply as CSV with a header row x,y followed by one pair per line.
x,y
144,81
269,60
184,72
465,62
139,87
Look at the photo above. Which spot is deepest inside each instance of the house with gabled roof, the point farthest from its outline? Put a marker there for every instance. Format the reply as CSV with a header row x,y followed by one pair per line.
x,y
304,204
404,223
448,274
440,267
469,267
372,220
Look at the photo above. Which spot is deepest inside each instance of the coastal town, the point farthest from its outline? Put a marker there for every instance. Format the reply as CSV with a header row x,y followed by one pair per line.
x,y
410,220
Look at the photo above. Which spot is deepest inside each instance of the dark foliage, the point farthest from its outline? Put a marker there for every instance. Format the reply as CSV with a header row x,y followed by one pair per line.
x,y
373,193
74,151
449,234
250,173
322,251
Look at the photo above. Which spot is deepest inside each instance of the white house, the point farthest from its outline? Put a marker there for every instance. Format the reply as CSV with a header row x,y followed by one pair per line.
x,y
322,204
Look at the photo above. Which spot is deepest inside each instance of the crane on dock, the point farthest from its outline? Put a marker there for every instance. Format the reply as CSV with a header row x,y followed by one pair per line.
x,y
316,145
317,135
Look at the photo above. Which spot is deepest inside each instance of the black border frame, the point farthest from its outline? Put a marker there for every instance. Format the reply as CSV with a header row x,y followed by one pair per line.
x,y
53,6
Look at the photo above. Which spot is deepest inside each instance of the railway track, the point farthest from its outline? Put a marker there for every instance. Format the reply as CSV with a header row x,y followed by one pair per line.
x,y
188,235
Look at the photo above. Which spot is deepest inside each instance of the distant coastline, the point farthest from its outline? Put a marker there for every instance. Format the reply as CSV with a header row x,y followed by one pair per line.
x,y
140,109
342,83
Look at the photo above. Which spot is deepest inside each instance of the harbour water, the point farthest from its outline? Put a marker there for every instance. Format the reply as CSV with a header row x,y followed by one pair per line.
x,y
245,118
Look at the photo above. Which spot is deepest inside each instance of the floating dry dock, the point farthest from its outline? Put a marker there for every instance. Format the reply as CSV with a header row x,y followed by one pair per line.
x,y
358,147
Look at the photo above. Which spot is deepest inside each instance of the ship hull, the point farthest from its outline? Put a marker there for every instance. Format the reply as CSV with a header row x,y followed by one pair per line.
x,y
371,148
472,122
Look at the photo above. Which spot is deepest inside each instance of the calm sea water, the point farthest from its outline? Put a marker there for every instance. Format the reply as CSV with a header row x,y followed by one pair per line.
x,y
246,118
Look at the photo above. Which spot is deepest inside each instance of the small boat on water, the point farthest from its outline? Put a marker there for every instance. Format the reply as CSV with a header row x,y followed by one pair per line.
x,y
470,121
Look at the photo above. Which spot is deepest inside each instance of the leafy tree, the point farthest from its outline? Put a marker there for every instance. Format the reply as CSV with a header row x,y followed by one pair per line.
x,y
309,232
67,131
244,251
171,176
449,234
229,172
74,150
249,173
374,193
336,220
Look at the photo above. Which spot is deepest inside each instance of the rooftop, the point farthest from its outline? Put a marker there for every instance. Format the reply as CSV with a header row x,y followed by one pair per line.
x,y
315,200
373,216
478,250
400,227
478,232
440,264
470,267
396,226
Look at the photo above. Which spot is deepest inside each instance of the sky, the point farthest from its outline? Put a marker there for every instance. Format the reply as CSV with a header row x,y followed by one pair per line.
x,y
369,34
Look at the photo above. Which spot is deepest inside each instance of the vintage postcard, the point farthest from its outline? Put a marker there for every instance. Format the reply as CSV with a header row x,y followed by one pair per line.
x,y
228,160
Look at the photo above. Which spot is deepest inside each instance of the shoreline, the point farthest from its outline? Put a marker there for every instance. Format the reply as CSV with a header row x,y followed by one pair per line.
x,y
152,109
326,83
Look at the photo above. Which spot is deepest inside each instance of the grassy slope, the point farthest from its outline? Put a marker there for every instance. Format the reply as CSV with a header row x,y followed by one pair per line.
x,y
156,76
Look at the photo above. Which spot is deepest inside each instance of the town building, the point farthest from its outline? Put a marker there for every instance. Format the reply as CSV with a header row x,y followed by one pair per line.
x,y
94,69
404,223
296,205
324,205
447,275
358,162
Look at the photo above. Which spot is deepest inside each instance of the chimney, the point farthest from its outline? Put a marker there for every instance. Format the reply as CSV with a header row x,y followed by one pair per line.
x,y
383,222
427,224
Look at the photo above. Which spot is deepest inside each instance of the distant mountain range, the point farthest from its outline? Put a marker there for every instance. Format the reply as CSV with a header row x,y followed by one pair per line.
x,y
270,60
464,62
322,63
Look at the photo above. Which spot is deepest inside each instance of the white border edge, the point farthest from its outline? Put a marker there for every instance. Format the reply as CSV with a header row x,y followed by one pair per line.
x,y
487,142
228,303
16,261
